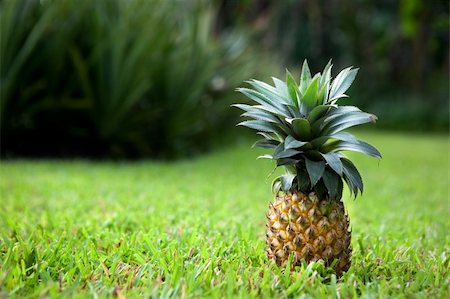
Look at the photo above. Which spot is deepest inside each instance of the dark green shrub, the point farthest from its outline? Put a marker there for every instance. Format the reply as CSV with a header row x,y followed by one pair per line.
x,y
118,78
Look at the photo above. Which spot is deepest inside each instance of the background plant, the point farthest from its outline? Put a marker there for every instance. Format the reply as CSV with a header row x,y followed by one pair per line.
x,y
401,47
122,78
135,78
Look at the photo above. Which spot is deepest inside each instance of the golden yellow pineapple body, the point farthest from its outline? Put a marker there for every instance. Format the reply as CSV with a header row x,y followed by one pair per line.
x,y
308,228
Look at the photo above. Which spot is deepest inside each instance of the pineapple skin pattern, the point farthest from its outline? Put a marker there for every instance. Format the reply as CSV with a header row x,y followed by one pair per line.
x,y
306,227
304,127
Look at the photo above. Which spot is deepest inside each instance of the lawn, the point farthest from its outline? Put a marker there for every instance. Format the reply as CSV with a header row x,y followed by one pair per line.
x,y
196,228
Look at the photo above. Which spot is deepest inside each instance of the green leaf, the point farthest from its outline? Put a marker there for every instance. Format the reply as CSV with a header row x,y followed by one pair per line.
x,y
269,104
295,112
286,181
265,156
313,155
267,136
281,88
303,180
287,153
325,81
303,110
344,136
269,144
301,128
287,161
326,74
346,121
244,107
291,142
290,169
261,126
345,109
317,113
341,83
264,116
358,146
305,77
261,115
269,91
331,181
321,95
353,176
333,161
270,109
319,141
279,149
338,112
256,96
276,185
330,115
315,170
292,89
310,95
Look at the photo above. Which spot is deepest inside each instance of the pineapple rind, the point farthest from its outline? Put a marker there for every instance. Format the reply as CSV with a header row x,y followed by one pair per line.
x,y
308,228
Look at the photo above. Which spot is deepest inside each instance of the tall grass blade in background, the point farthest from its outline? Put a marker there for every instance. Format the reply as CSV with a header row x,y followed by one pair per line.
x,y
23,27
118,78
115,72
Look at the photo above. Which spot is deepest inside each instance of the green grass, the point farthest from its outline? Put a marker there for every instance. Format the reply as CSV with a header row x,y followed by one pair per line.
x,y
196,228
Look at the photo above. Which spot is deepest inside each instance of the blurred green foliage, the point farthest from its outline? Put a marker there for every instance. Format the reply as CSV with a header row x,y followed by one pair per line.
x,y
402,48
136,78
118,78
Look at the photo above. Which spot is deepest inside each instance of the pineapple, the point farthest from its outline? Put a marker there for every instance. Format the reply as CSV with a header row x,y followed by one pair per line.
x,y
303,126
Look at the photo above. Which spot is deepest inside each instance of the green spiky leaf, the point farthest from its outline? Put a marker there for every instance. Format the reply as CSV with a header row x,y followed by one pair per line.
x,y
268,136
325,81
353,176
243,107
266,156
291,142
286,181
287,161
309,98
341,83
264,143
358,146
346,121
268,91
292,89
276,185
281,89
305,77
270,104
303,180
333,161
261,126
301,128
286,153
315,170
317,112
261,115
344,136
331,181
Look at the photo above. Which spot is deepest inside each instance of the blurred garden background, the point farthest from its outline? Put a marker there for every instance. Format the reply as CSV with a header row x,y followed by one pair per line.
x,y
155,79
122,173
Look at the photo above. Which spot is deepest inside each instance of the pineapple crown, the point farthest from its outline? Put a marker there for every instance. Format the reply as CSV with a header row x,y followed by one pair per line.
x,y
304,127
